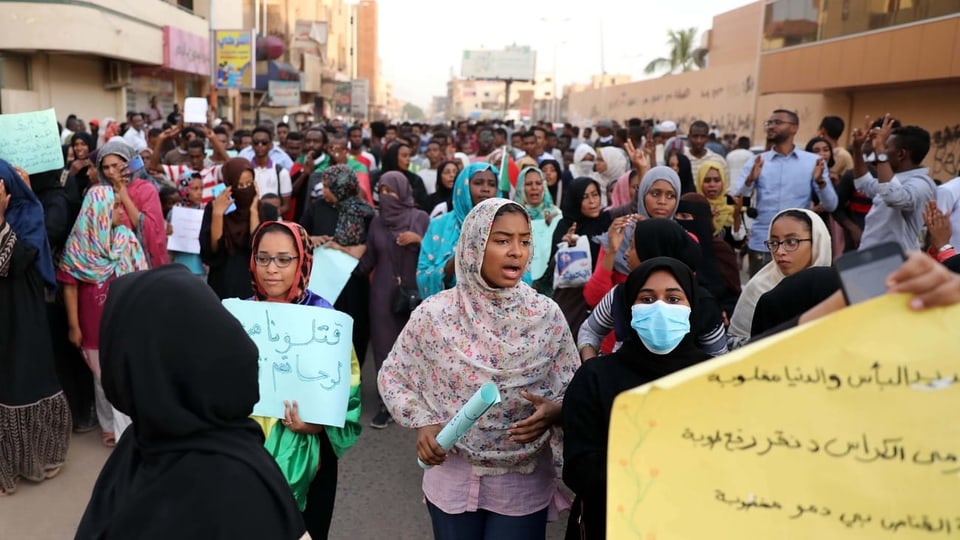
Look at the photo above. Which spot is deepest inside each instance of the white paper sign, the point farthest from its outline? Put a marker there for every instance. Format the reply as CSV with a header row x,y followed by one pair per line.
x,y
186,230
331,272
195,110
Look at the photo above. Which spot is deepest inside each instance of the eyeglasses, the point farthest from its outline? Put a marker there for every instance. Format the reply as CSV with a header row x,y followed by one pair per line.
x,y
777,123
790,244
260,142
282,261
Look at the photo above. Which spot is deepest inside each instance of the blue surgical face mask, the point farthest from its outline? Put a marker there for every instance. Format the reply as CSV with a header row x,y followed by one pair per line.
x,y
660,326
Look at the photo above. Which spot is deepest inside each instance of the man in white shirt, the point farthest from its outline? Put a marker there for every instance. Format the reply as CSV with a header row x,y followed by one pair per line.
x,y
429,174
699,153
739,156
276,154
270,177
665,131
135,135
948,201
195,164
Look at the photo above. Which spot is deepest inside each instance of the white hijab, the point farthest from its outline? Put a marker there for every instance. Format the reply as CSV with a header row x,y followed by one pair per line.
x,y
770,275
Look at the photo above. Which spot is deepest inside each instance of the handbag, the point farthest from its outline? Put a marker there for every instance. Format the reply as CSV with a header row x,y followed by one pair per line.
x,y
404,299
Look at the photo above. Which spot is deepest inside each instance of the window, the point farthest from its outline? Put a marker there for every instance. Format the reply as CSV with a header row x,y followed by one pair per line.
x,y
15,71
185,4
787,23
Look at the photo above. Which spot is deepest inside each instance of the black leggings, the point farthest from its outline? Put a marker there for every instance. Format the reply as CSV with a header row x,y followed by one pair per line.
x,y
323,493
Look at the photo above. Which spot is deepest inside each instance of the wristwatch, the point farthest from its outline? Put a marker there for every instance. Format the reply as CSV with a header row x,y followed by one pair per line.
x,y
946,247
882,157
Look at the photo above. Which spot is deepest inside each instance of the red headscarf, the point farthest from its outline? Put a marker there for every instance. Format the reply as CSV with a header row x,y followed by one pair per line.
x,y
302,278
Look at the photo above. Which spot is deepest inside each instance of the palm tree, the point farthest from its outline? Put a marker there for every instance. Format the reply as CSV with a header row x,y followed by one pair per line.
x,y
683,55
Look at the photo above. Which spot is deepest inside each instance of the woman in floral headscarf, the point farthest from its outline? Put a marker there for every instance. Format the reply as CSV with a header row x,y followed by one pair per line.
x,y
490,327
99,249
340,220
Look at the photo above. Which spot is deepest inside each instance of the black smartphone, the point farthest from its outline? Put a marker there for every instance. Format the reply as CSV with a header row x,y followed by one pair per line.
x,y
863,274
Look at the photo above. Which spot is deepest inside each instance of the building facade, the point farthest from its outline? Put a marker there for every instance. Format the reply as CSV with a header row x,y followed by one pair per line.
x,y
101,58
851,58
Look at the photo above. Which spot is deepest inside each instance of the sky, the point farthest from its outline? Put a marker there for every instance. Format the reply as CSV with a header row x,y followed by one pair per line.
x,y
422,40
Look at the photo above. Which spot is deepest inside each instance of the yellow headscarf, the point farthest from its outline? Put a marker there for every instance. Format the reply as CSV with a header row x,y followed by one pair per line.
x,y
724,216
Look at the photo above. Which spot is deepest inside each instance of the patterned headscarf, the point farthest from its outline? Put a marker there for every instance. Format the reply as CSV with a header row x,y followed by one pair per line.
x,y
353,213
546,206
95,249
513,337
304,260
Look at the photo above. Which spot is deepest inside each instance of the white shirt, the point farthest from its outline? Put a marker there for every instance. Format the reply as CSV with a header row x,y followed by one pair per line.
x,y
269,182
210,176
736,159
135,139
429,177
948,200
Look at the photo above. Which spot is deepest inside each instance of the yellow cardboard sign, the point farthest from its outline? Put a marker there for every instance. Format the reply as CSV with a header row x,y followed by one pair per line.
x,y
842,428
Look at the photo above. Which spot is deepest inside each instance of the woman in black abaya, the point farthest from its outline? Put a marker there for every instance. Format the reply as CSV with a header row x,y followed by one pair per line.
x,y
193,465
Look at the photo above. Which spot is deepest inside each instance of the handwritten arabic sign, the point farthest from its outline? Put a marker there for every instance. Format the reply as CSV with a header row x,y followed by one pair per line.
x,y
305,356
31,141
837,429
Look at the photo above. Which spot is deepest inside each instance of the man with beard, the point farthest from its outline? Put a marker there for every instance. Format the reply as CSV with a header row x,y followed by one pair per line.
x,y
308,167
783,177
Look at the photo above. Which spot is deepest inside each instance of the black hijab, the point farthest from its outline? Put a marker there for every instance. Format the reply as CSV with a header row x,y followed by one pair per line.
x,y
653,366
794,295
661,237
441,194
391,162
586,226
701,226
687,184
193,464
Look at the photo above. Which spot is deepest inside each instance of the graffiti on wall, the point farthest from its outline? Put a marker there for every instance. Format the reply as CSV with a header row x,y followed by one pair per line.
x,y
946,153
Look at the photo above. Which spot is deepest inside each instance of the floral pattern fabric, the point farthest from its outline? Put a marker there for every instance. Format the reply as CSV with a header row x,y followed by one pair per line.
x,y
463,337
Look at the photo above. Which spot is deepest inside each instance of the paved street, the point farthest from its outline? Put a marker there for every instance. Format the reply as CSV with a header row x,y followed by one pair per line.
x,y
378,494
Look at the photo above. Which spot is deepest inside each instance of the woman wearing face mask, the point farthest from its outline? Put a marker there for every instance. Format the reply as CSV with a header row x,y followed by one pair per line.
x,y
798,239
225,230
650,239
280,265
476,183
501,482
393,245
660,301
441,201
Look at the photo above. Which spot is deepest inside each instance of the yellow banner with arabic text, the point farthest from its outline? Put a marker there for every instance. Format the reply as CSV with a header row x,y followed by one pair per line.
x,y
838,429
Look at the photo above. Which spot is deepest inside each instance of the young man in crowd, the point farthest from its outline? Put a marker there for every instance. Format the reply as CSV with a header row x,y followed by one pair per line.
x,y
699,153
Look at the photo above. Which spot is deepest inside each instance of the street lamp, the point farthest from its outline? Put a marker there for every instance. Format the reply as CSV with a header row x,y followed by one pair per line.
x,y
554,102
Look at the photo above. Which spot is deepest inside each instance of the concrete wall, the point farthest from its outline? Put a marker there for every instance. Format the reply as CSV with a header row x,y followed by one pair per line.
x,y
734,38
723,95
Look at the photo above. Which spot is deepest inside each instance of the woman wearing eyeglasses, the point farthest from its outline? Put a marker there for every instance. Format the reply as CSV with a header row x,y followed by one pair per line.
x,y
798,239
306,453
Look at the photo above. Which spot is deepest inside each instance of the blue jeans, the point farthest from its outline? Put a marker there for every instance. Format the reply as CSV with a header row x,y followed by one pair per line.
x,y
485,525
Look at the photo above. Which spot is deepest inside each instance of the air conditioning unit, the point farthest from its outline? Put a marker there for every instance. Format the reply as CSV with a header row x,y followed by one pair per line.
x,y
118,74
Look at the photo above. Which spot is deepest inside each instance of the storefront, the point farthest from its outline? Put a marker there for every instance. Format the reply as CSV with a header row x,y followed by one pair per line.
x,y
185,72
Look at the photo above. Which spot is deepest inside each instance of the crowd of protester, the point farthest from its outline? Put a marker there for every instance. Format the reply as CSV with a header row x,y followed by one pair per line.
x,y
696,244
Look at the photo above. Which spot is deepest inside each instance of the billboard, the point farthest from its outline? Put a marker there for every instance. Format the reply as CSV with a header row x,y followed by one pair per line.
x,y
283,93
360,97
342,98
234,60
512,63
